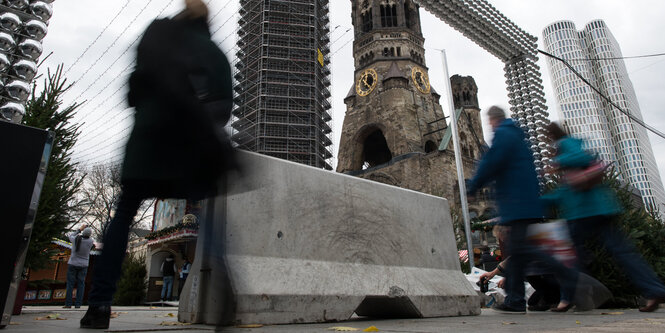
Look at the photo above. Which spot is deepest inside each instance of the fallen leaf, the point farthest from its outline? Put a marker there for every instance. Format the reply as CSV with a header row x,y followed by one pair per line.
x,y
577,322
14,323
249,326
612,313
114,315
170,315
173,323
371,329
343,329
52,316
508,323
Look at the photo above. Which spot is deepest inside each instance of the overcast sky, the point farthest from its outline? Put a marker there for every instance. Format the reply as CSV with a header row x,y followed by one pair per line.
x,y
97,42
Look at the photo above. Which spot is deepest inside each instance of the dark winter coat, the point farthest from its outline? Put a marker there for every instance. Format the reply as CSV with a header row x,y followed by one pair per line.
x,y
182,92
509,162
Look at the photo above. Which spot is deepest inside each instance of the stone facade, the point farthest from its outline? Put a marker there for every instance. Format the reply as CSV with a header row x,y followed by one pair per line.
x,y
394,128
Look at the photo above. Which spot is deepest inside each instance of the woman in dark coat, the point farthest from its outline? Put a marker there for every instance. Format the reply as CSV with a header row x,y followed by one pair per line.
x,y
181,89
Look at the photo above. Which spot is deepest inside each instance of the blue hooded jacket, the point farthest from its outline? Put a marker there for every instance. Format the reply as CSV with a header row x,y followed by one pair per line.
x,y
597,201
509,162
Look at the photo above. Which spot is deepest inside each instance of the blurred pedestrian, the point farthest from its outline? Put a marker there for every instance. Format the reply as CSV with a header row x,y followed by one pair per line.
x,y
487,261
181,89
546,288
168,270
77,265
509,163
591,213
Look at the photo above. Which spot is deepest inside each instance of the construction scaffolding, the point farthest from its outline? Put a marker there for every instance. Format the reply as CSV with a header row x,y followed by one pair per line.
x,y
283,78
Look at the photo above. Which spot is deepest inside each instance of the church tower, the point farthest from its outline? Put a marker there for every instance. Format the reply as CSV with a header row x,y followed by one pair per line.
x,y
394,128
391,107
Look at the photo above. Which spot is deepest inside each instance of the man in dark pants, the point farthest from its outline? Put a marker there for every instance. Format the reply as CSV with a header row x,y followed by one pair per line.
x,y
181,89
509,162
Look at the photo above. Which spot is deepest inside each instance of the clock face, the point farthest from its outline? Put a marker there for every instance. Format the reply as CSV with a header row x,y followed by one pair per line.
x,y
420,80
366,82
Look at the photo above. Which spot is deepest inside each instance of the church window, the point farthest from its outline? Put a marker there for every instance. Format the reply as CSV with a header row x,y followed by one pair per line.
x,y
366,18
399,51
388,15
407,15
430,146
375,150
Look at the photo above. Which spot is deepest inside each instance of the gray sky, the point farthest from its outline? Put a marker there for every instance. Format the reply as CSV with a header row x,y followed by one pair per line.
x,y
103,68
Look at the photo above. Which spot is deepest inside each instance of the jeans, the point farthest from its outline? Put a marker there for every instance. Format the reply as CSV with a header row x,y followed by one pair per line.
x,y
75,277
522,252
608,234
108,267
167,288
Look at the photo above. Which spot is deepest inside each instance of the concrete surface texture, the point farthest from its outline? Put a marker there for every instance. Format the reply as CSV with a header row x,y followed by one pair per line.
x,y
302,244
146,319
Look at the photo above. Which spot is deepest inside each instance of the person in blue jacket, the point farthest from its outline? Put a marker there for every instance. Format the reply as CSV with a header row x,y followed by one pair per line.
x,y
509,163
590,214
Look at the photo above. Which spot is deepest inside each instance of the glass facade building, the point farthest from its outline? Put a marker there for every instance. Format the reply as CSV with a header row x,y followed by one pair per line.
x,y
596,55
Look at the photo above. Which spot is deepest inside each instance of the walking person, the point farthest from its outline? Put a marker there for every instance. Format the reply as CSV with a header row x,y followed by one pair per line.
x,y
77,265
181,90
509,162
591,213
168,270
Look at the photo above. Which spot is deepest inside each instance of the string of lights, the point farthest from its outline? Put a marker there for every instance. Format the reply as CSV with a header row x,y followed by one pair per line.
x,y
96,38
97,61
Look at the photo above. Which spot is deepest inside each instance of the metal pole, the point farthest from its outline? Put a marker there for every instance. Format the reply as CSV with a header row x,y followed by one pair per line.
x,y
458,159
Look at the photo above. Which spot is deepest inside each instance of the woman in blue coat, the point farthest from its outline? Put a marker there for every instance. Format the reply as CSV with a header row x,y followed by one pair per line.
x,y
590,214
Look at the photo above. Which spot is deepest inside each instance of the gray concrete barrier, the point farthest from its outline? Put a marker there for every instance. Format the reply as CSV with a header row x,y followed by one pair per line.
x,y
291,243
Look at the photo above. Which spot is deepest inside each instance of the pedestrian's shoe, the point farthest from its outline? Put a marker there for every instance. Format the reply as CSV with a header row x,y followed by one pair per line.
x,y
562,308
67,307
97,316
77,306
507,309
652,304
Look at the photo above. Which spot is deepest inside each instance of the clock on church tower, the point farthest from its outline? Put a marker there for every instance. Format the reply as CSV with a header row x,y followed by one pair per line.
x,y
391,107
394,126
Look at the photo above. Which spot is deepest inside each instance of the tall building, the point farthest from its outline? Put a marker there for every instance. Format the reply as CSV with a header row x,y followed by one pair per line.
x,y
23,25
282,107
595,54
394,128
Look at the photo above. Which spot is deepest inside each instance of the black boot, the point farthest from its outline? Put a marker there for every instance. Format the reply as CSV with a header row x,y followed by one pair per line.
x,y
97,316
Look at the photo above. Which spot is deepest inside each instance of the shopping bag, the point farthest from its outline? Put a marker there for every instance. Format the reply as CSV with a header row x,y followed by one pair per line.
x,y
554,239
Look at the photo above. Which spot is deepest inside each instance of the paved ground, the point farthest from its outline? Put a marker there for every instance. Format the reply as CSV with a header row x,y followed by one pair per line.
x,y
163,319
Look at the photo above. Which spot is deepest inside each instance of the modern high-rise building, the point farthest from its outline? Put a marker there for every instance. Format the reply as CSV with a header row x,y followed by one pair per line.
x,y
282,104
596,55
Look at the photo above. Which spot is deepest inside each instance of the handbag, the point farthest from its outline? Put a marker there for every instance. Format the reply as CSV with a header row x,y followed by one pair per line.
x,y
553,238
583,179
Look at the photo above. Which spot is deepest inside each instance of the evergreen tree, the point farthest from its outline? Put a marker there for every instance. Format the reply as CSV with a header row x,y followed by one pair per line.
x,y
57,202
132,284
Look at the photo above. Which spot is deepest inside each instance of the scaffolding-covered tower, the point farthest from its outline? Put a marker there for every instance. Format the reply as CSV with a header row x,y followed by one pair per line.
x,y
282,104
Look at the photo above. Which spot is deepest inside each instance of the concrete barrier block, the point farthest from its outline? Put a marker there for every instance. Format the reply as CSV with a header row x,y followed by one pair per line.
x,y
300,244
